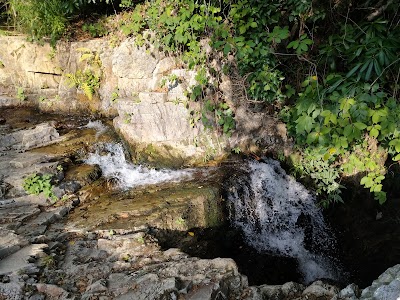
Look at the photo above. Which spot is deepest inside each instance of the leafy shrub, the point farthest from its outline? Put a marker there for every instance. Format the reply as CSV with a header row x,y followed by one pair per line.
x,y
88,79
36,184
97,29
21,93
39,18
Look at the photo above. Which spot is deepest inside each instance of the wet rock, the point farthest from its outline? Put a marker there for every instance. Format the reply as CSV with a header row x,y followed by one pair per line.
x,y
5,279
172,206
43,134
51,215
18,214
68,187
83,174
32,231
320,290
350,292
289,290
387,286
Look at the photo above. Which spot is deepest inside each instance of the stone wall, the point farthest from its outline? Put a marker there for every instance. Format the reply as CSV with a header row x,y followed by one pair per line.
x,y
155,119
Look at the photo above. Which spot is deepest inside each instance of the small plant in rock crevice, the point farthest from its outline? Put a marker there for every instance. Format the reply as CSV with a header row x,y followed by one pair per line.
x,y
88,79
36,184
21,94
114,95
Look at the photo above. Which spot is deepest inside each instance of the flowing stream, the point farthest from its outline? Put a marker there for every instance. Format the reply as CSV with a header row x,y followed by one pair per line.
x,y
111,159
278,215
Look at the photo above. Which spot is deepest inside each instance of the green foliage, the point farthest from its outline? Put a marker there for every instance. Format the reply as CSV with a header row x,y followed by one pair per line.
x,y
365,160
49,19
260,30
221,113
36,184
347,118
97,29
236,150
326,179
115,95
89,79
368,49
21,94
300,45
48,261
39,18
339,124
86,81
177,27
170,81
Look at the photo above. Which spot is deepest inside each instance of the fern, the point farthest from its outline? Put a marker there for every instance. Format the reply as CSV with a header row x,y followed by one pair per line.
x,y
87,89
72,80
87,57
86,81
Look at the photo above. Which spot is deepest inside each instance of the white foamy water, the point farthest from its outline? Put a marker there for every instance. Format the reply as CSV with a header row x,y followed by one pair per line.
x,y
278,215
111,159
98,126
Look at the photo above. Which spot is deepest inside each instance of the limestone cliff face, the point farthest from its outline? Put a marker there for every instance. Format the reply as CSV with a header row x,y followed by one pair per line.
x,y
151,110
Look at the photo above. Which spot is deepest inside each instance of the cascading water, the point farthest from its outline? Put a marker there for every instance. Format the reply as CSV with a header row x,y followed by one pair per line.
x,y
111,159
278,215
98,126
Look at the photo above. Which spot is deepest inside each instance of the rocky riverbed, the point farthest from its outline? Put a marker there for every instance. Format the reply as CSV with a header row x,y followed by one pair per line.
x,y
95,244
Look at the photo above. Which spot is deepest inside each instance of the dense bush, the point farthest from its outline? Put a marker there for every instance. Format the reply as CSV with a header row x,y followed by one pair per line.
x,y
38,18
47,18
334,83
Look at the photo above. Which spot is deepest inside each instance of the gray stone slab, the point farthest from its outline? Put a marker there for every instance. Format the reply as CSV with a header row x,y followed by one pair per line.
x,y
19,260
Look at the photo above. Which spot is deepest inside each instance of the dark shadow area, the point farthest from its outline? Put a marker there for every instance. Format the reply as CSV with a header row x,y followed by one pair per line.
x,y
225,242
368,234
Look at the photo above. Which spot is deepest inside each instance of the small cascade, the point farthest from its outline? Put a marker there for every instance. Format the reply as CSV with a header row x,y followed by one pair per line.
x,y
278,215
111,159
98,126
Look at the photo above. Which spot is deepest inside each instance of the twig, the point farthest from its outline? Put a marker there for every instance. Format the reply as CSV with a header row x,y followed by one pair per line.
x,y
379,11
396,84
398,59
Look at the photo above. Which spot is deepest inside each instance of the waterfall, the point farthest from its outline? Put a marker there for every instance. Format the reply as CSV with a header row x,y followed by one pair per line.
x,y
98,126
111,159
278,215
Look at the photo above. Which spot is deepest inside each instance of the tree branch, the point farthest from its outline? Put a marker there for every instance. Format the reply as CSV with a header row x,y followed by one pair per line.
x,y
379,11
